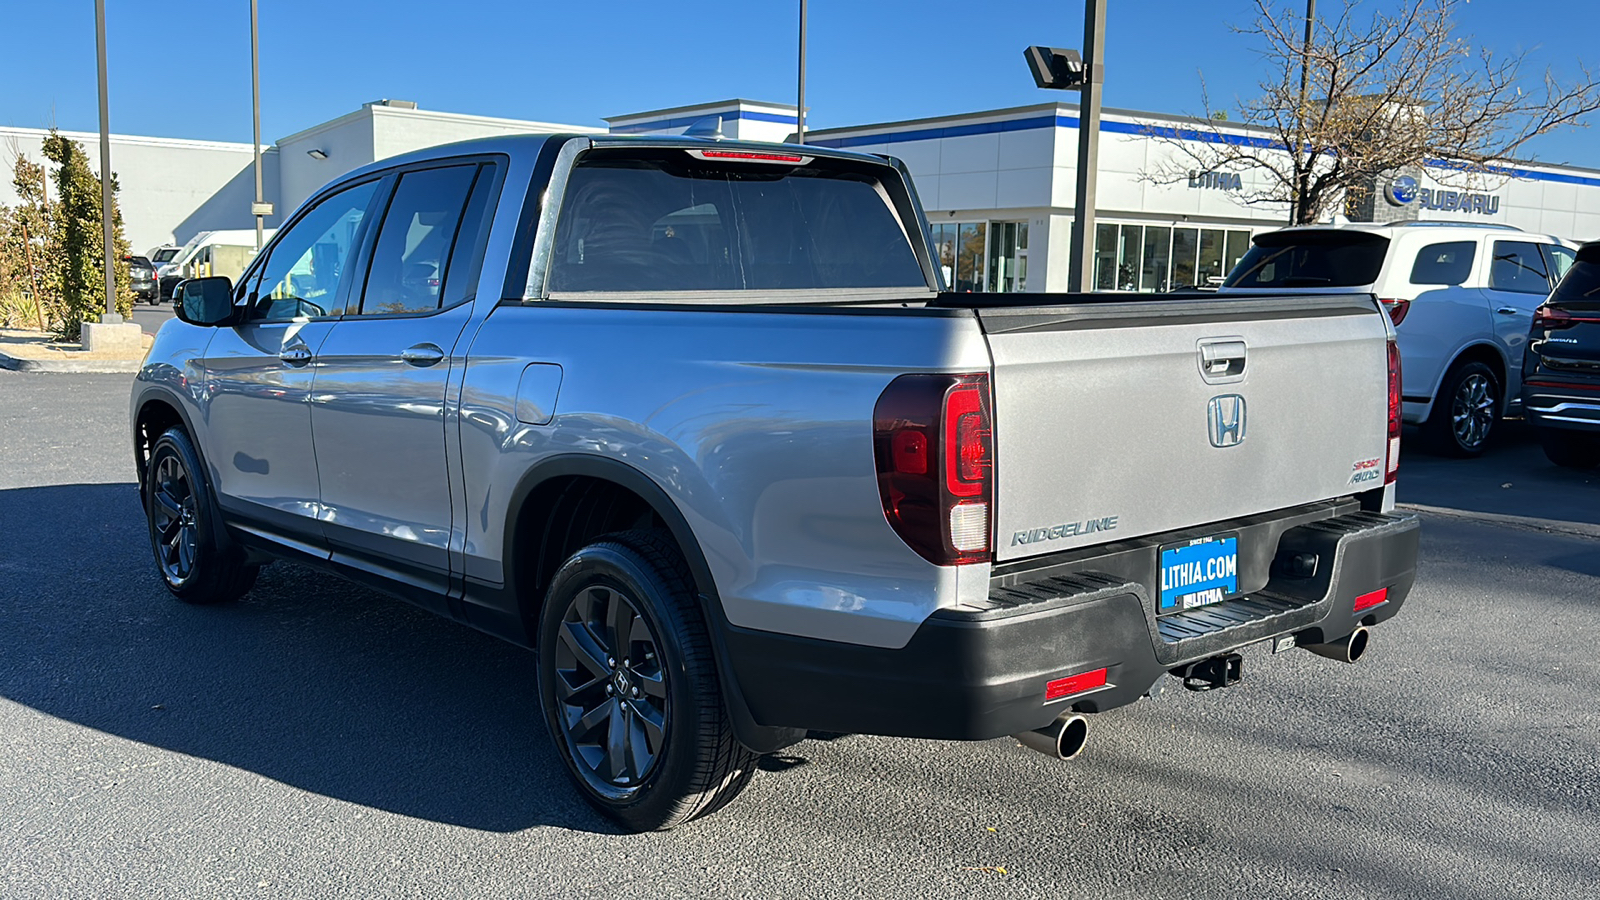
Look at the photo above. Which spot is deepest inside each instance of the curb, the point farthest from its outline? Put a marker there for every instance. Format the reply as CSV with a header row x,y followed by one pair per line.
x,y
71,366
1549,526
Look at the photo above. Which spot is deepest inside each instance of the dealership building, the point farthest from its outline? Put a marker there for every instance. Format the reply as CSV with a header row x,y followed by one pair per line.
x,y
998,185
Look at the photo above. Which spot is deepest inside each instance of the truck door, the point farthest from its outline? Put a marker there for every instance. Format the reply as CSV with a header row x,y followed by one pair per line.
x,y
258,373
378,403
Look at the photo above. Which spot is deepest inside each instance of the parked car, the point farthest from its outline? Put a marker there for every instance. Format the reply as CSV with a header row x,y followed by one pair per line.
x,y
210,253
142,278
1561,370
161,254
1461,297
695,419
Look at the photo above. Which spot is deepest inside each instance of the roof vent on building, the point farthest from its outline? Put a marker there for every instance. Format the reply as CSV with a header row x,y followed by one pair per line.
x,y
394,104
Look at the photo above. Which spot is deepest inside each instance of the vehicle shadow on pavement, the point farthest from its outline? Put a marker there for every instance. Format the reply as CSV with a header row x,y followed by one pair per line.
x,y
307,680
1511,478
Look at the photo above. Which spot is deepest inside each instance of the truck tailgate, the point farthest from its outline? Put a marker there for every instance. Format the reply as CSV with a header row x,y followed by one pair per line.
x,y
1120,419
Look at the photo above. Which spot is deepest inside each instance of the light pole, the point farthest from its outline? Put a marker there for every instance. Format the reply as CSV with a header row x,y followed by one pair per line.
x,y
1066,70
800,104
1300,114
105,166
260,209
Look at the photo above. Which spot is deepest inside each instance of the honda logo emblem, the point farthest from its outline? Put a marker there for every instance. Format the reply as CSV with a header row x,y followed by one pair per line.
x,y
1226,415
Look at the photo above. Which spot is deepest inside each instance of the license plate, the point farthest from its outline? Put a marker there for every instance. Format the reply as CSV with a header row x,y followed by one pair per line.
x,y
1199,572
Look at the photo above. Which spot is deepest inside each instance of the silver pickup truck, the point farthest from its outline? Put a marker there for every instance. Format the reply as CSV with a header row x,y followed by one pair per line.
x,y
696,421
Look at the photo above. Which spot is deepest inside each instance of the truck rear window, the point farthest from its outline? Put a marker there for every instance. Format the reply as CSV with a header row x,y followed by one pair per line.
x,y
670,222
1310,259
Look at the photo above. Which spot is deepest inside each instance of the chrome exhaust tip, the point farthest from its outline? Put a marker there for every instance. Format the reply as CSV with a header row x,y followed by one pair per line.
x,y
1348,650
1062,739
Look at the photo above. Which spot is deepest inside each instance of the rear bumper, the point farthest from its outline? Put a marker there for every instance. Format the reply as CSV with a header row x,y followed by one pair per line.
x,y
973,674
1553,407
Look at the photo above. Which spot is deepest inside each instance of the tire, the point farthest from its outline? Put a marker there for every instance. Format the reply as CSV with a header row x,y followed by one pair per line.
x,y
1465,412
1571,449
194,564
657,689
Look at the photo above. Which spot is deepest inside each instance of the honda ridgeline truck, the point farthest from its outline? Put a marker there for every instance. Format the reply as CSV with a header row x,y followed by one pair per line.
x,y
696,422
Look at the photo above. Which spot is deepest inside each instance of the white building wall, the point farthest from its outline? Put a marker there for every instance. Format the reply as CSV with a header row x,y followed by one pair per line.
x,y
169,188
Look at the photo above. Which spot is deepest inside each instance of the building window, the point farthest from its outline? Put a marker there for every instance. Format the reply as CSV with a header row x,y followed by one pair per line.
x,y
1008,257
1161,257
960,246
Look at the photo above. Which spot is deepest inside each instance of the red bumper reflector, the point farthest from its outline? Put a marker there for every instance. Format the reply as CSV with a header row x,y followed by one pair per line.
x,y
1075,684
1376,598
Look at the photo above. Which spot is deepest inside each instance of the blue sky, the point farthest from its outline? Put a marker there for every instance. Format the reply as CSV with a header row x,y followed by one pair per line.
x,y
181,68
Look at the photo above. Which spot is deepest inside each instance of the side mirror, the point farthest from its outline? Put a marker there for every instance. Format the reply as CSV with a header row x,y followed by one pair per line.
x,y
204,301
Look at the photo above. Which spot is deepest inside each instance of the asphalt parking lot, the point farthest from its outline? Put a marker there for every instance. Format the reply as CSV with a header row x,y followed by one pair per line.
x,y
316,739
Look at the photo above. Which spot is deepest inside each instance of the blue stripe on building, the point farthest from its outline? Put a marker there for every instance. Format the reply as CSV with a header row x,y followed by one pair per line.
x,y
1113,127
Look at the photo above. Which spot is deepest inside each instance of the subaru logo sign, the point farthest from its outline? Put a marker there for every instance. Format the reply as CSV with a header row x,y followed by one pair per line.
x,y
1226,415
1402,190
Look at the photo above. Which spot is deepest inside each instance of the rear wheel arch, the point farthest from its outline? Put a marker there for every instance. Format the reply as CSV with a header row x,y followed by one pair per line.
x,y
565,503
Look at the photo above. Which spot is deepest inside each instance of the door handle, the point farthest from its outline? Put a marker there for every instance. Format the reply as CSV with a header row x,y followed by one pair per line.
x,y
422,355
298,355
1508,310
1222,359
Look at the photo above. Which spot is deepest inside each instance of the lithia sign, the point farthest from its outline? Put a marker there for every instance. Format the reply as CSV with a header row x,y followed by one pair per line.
x,y
1404,191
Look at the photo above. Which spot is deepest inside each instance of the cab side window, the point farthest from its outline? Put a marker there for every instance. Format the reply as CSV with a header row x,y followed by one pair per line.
x,y
1444,263
419,231
1518,266
304,272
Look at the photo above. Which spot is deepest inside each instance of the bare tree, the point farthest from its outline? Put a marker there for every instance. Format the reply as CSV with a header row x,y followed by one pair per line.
x,y
1385,91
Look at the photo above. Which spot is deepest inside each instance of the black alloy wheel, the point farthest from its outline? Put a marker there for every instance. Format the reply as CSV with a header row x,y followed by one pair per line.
x,y
1466,411
174,531
628,685
195,564
612,689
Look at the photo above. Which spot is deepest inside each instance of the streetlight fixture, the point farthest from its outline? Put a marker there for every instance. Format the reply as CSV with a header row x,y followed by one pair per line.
x,y
1066,70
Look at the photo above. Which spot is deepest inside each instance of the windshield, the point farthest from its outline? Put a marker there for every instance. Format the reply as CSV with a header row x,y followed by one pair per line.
x,y
666,221
1310,259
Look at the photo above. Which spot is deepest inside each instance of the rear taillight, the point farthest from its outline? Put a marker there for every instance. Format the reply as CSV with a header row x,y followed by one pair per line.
x,y
1554,317
933,440
1394,414
1397,309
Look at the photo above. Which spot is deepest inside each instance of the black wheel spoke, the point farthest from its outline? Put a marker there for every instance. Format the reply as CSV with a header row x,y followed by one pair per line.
x,y
167,505
617,745
650,726
585,648
653,685
620,619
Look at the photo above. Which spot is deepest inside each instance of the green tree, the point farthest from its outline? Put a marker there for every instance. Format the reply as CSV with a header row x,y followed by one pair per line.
x,y
79,260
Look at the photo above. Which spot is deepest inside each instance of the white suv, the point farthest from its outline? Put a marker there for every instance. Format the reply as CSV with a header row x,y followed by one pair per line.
x,y
1461,297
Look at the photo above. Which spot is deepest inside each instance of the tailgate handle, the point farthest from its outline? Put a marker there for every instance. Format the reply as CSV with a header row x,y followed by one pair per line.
x,y
1222,359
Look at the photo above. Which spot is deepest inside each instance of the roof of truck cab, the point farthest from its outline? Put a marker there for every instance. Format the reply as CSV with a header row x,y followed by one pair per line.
x,y
523,144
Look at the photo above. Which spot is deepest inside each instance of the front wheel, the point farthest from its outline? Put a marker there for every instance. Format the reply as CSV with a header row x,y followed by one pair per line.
x,y
196,566
1465,411
1571,449
629,688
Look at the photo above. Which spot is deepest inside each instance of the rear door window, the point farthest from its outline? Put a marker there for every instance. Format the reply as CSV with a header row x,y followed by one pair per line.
x,y
1518,266
1311,259
416,238
1559,259
1447,263
665,221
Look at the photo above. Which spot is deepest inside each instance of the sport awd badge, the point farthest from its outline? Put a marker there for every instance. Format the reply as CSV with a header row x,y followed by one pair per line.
x,y
1226,415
